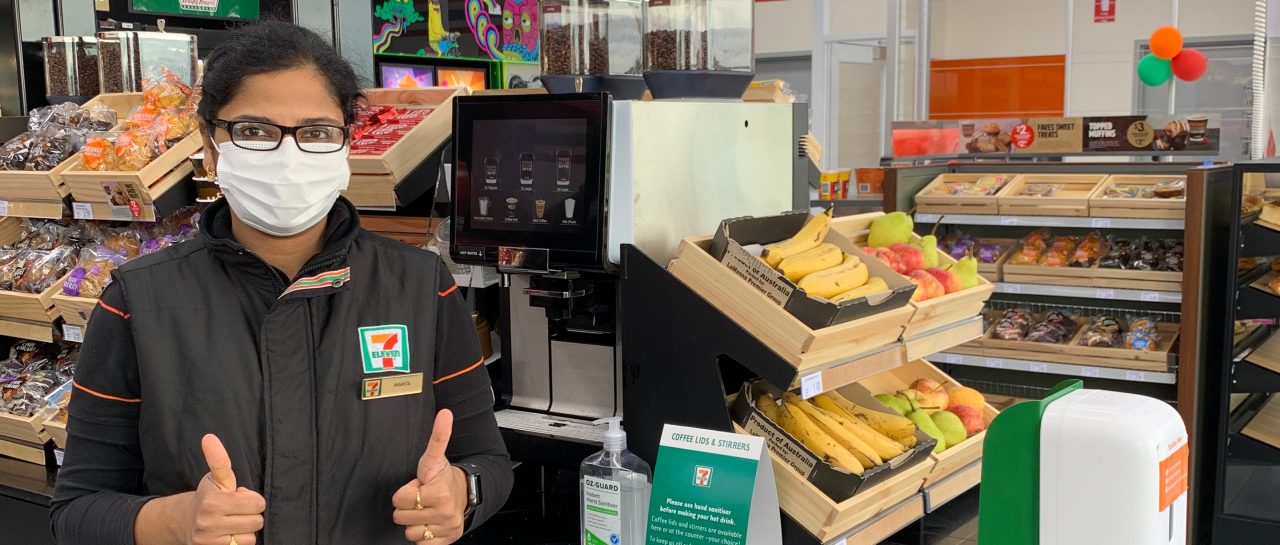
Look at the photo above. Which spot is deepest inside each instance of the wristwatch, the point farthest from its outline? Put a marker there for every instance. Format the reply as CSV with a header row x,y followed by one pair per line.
x,y
473,490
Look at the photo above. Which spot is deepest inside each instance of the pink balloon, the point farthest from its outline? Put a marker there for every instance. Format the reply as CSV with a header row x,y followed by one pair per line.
x,y
1189,64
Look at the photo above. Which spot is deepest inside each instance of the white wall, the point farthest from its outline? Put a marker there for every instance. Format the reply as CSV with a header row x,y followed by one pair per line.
x,y
982,29
784,27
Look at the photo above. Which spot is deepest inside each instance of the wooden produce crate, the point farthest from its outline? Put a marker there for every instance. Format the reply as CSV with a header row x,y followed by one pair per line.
x,y
10,230
142,186
1087,277
45,189
1071,352
28,307
935,199
955,458
72,310
56,431
805,348
1072,199
934,313
374,177
1100,205
993,272
20,432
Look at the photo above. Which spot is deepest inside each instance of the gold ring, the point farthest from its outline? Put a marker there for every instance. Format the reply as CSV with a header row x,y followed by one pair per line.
x,y
233,541
417,501
427,535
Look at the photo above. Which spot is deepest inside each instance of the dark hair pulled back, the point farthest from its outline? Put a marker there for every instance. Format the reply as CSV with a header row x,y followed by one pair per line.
x,y
271,46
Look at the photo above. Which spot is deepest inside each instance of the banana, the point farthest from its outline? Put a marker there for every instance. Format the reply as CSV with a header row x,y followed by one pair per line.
x,y
850,274
873,285
768,406
803,429
897,428
821,258
836,430
807,238
884,446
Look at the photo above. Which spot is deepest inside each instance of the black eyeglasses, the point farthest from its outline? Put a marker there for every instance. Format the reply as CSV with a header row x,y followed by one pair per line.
x,y
262,136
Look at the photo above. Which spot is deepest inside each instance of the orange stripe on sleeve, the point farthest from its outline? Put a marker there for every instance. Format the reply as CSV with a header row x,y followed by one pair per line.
x,y
448,291
472,367
113,310
104,396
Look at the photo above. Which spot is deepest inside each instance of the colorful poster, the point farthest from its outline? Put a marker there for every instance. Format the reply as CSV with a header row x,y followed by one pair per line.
x,y
503,30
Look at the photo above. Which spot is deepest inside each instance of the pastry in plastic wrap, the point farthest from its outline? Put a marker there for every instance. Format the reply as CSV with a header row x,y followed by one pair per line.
x,y
1103,333
1059,252
1057,327
94,117
1033,247
99,152
45,269
53,145
16,267
1039,190
93,273
165,90
1087,251
134,149
1013,325
143,117
14,153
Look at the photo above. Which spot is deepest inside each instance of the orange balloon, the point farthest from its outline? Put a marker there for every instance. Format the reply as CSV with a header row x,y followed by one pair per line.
x,y
1166,42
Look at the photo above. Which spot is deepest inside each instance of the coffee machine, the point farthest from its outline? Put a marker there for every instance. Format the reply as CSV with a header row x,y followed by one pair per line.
x,y
549,188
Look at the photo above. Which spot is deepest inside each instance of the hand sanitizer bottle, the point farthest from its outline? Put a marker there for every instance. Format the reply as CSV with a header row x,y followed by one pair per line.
x,y
614,492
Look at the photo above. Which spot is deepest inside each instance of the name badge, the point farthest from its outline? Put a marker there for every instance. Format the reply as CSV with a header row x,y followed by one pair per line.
x,y
401,385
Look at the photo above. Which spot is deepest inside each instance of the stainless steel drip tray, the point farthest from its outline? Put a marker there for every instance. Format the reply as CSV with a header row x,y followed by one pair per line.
x,y
553,427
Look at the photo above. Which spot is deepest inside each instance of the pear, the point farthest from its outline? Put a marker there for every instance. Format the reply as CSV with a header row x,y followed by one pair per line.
x,y
951,426
928,245
967,269
926,425
898,404
889,229
912,398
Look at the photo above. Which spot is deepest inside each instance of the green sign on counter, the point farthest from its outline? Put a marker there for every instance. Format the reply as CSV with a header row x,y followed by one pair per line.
x,y
712,487
225,9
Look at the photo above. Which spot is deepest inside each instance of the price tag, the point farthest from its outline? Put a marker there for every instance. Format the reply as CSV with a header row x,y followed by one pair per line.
x,y
57,456
1103,293
810,385
1101,223
995,363
1010,288
4,208
1007,220
1138,376
82,211
841,542
1091,372
72,333
1039,368
1149,297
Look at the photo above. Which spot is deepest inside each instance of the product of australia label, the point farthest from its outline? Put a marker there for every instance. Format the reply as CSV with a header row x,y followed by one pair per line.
x,y
602,507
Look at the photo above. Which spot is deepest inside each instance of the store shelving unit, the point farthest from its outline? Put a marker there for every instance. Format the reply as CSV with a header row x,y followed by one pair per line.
x,y
1240,428
1005,376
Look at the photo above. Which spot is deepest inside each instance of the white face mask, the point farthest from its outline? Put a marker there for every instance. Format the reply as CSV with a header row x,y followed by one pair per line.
x,y
281,192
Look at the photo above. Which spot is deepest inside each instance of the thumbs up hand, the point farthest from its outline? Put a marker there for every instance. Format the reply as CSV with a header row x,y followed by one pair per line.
x,y
223,514
431,506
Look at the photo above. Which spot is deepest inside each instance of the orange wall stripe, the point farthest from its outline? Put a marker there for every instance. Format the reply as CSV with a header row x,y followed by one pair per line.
x,y
104,396
999,87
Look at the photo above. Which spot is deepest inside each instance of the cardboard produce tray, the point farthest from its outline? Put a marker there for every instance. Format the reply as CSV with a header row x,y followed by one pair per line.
x,y
955,458
934,199
1123,207
1072,199
47,186
425,137
823,500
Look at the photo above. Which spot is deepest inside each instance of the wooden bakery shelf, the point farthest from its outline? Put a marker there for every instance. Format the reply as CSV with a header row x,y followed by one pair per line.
x,y
1070,352
884,524
1259,371
26,329
1125,207
934,198
29,307
1257,300
1265,426
938,492
374,177
73,310
143,186
57,431
29,430
1071,199
993,271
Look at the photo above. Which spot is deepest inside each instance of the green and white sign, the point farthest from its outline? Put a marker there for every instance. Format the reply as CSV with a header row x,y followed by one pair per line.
x,y
712,487
226,9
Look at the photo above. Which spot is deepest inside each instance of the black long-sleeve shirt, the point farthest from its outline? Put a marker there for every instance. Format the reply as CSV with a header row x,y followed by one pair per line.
x,y
207,338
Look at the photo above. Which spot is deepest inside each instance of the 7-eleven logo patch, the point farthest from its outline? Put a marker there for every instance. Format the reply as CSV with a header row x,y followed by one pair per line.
x,y
385,348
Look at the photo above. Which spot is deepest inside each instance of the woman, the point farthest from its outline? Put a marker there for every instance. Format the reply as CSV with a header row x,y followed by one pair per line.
x,y
287,378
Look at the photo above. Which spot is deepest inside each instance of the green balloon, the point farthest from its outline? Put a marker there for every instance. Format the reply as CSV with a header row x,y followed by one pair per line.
x,y
1153,70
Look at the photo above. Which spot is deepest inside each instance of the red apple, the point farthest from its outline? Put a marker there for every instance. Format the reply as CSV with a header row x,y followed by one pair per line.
x,y
888,258
927,287
932,395
913,258
972,420
950,282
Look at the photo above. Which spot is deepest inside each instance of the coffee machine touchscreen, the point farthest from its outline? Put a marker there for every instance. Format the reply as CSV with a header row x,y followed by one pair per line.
x,y
531,176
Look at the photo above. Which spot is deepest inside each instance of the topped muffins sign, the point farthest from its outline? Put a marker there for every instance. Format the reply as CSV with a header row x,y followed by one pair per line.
x,y
1198,133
